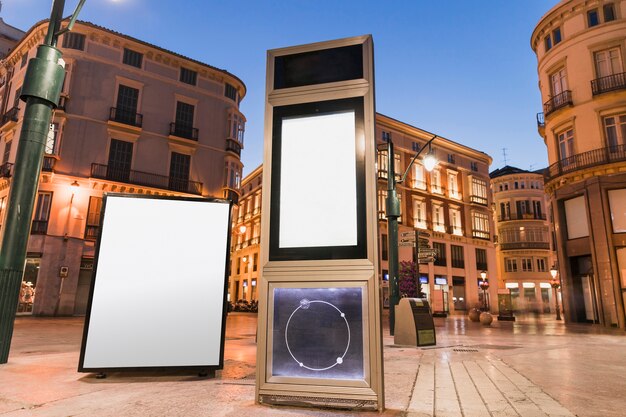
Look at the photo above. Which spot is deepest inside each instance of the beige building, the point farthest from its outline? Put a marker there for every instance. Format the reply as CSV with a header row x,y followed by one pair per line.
x,y
246,240
132,118
452,203
581,51
524,229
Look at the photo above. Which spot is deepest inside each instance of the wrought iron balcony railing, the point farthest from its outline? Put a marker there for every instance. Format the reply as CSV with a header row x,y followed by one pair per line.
x,y
6,170
10,116
589,159
128,117
146,179
233,146
48,163
183,131
610,83
524,245
559,101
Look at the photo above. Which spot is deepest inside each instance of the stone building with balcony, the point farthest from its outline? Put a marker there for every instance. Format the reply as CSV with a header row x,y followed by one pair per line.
x,y
133,118
453,204
524,229
581,49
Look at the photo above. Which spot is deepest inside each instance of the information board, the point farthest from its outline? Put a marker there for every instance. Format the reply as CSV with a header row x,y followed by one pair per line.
x,y
159,286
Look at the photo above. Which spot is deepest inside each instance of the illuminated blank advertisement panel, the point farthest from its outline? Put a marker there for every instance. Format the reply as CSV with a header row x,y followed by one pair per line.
x,y
318,181
158,293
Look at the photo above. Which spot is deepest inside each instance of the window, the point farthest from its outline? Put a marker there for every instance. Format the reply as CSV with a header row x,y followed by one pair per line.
x,y
479,191
480,225
593,19
132,58
537,209
230,91
481,259
397,165
3,202
384,247
458,260
556,35
439,224
126,107
255,262
382,204
435,181
541,264
419,213
238,266
7,152
188,76
505,211
120,158
455,221
184,118
566,145
16,99
609,12
51,147
42,213
415,146
547,42
615,130
527,264
474,166
608,62
451,158
558,82
453,185
400,204
237,127
510,265
179,172
617,202
92,229
24,60
232,176
386,136
440,248
383,165
73,40
419,180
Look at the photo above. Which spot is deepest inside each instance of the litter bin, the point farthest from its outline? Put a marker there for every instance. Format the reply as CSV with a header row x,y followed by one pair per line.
x,y
414,323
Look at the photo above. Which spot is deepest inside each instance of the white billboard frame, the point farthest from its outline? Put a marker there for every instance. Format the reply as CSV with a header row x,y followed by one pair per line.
x,y
158,292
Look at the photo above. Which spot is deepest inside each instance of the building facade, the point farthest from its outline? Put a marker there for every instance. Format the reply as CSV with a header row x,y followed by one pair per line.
x,y
133,118
452,204
524,246
246,240
581,47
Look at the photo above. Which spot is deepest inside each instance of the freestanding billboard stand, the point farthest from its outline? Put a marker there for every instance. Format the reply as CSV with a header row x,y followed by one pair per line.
x,y
158,294
320,338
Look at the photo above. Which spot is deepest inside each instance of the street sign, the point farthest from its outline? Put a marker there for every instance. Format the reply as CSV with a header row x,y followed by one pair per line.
x,y
424,243
408,234
407,240
426,260
423,234
407,244
427,253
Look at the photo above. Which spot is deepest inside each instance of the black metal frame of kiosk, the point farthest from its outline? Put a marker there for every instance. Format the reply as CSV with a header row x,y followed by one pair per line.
x,y
320,336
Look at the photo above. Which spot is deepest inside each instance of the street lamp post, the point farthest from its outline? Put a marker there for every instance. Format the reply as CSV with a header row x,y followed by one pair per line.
x,y
555,283
393,212
484,284
41,92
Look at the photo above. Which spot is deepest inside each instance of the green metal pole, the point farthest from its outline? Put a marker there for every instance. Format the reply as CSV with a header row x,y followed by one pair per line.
x,y
41,91
393,212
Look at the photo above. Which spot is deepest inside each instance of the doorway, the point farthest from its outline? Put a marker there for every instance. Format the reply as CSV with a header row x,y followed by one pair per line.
x,y
585,308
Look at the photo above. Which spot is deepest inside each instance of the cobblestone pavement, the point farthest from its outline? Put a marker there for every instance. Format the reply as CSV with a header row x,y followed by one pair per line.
x,y
533,367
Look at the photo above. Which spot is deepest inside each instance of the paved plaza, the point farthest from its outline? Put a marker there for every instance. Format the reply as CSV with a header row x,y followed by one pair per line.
x,y
533,367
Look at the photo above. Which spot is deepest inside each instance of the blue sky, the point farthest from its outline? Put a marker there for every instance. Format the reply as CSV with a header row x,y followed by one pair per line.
x,y
459,68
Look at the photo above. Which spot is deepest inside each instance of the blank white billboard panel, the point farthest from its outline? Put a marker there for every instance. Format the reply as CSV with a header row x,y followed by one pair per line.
x,y
318,201
159,285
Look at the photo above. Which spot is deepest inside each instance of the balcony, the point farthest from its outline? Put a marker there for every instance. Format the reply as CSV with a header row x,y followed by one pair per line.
x,y
232,195
524,245
48,163
611,83
478,200
62,103
233,146
9,119
127,117
481,234
183,131
557,102
145,179
6,170
588,159
522,216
